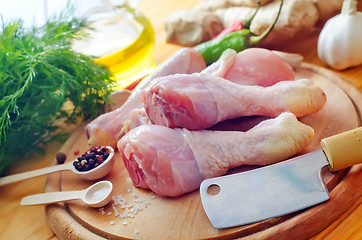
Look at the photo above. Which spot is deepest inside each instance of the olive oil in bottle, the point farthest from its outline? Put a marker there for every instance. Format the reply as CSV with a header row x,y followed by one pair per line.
x,y
122,39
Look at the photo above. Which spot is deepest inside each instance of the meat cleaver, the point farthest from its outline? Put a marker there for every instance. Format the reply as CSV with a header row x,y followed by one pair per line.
x,y
280,188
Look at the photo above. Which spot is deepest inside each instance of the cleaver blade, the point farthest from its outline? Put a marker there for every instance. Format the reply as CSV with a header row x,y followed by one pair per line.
x,y
280,188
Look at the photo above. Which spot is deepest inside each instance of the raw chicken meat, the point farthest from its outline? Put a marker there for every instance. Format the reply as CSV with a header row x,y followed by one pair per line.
x,y
253,66
226,63
198,101
172,162
137,117
293,59
105,129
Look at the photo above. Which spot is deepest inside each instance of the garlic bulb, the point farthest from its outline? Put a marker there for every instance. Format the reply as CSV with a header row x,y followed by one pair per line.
x,y
340,41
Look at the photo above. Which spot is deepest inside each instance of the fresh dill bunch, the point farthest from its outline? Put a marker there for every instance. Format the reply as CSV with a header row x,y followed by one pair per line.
x,y
40,75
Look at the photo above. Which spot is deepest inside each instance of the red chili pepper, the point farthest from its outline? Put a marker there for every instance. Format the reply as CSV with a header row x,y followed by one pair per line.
x,y
235,26
238,24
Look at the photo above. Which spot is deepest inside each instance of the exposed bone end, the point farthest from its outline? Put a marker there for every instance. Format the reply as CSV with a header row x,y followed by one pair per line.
x,y
289,137
137,117
306,96
99,137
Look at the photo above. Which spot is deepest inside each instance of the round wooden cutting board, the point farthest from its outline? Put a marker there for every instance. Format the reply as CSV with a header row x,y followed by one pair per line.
x,y
140,214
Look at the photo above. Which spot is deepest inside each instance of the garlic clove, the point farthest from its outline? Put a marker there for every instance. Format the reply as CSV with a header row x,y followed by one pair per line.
x,y
339,43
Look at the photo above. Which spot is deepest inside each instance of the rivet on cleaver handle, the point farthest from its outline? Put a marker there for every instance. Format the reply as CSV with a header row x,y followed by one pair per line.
x,y
281,188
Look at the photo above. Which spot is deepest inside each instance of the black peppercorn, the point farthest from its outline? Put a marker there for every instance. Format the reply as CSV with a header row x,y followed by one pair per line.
x,y
60,157
91,159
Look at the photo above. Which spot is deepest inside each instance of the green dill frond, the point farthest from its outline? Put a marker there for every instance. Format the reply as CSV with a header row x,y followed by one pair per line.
x,y
39,73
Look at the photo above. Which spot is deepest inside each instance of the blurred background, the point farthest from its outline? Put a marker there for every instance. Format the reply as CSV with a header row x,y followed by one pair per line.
x,y
35,12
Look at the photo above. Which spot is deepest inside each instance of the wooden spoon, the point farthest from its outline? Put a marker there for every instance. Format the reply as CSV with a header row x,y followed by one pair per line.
x,y
92,174
97,195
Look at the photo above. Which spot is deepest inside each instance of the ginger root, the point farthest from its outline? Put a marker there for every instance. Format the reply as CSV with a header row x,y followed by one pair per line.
x,y
212,5
328,8
296,16
190,27
208,17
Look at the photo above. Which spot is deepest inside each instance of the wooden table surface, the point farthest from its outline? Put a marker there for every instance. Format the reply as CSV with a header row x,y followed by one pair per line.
x,y
19,222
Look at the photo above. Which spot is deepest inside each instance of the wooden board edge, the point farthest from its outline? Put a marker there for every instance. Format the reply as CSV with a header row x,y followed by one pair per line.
x,y
58,216
278,231
66,227
352,91
330,211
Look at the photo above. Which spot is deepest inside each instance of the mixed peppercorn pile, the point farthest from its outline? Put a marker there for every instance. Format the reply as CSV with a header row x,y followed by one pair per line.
x,y
92,158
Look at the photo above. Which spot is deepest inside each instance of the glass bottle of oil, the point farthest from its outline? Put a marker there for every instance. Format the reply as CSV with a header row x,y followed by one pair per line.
x,y
122,39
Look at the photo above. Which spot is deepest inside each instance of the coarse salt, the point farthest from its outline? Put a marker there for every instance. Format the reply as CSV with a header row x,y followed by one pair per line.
x,y
98,195
125,210
102,210
116,213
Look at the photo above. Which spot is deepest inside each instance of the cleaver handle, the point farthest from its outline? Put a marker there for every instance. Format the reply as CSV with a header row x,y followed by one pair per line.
x,y
343,150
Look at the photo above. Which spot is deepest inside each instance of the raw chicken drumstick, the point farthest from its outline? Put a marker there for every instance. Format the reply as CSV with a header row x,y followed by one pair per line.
x,y
253,66
199,101
136,117
172,162
105,129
